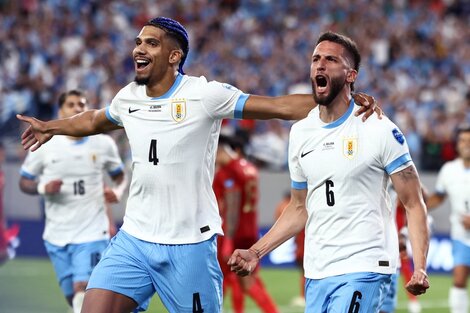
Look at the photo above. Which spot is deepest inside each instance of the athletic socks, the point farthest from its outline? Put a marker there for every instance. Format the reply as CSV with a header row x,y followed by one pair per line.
x,y
458,300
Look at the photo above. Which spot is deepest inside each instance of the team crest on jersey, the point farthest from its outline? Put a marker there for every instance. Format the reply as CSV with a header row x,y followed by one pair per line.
x,y
350,147
178,109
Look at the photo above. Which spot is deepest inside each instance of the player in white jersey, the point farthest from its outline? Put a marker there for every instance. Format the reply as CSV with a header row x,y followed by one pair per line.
x,y
453,182
340,169
167,243
68,173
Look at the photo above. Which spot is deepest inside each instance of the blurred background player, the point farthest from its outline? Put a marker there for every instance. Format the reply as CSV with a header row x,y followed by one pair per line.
x,y
236,188
453,181
8,236
299,250
67,172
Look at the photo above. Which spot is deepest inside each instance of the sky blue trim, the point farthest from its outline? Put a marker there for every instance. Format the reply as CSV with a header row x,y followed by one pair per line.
x,y
299,185
27,175
343,118
170,91
116,171
81,141
240,105
108,115
397,163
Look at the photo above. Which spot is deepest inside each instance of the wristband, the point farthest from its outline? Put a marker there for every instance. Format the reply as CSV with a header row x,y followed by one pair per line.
x,y
41,188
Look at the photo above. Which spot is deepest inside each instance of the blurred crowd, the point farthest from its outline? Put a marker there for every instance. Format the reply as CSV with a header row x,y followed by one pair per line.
x,y
416,59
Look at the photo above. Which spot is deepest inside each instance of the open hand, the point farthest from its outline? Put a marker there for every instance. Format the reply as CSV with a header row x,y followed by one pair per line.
x,y
35,135
368,105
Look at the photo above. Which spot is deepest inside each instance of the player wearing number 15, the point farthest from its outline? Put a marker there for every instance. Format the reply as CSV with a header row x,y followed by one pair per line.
x,y
339,169
68,173
167,243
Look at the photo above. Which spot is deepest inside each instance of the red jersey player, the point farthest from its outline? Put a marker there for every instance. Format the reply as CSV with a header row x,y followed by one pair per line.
x,y
236,189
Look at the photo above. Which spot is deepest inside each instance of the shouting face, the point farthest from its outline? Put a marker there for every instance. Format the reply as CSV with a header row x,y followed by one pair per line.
x,y
330,71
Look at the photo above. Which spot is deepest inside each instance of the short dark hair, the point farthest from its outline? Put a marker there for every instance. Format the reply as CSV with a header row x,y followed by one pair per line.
x,y
176,31
73,92
347,43
463,129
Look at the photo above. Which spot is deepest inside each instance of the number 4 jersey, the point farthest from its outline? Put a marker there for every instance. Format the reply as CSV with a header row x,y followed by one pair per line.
x,y
173,139
77,213
345,165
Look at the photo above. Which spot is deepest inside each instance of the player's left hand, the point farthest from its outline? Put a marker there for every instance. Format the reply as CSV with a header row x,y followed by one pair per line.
x,y
368,105
418,282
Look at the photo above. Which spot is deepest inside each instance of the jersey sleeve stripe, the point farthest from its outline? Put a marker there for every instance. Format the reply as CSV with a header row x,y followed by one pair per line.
x,y
116,171
108,115
299,185
238,114
27,175
397,163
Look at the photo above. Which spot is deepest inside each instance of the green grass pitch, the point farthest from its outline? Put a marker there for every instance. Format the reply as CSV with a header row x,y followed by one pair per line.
x,y
29,286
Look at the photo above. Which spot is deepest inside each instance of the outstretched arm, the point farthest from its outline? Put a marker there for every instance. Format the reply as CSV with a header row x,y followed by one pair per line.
x,y
91,122
291,222
408,188
296,107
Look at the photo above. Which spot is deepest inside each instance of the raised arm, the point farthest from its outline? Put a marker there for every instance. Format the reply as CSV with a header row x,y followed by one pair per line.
x,y
90,122
296,107
291,222
408,187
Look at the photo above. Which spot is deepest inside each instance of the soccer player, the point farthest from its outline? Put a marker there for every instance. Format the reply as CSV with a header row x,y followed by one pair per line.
x,y
236,188
67,172
453,181
168,239
340,170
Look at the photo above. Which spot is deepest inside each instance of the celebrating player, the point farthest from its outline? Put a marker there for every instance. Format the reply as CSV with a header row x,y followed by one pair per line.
x,y
339,169
67,172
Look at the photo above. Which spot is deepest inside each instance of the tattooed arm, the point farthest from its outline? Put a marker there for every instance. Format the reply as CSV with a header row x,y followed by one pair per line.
x,y
408,187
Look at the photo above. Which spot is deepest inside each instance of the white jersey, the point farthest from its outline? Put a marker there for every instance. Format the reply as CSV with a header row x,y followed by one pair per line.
x,y
77,213
173,139
454,181
345,165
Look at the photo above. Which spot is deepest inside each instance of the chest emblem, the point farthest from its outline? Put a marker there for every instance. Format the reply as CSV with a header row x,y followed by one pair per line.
x,y
178,109
350,147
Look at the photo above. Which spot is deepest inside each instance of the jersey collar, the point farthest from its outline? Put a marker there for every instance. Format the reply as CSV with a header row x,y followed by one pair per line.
x,y
343,118
170,91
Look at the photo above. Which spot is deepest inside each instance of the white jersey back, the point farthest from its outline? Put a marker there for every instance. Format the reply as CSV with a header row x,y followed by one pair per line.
x,y
346,166
76,214
454,181
173,139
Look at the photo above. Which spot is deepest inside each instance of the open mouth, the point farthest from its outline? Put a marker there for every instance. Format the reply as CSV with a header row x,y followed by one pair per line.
x,y
321,82
141,63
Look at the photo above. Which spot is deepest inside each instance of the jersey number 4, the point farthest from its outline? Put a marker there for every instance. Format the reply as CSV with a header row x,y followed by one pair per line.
x,y
153,152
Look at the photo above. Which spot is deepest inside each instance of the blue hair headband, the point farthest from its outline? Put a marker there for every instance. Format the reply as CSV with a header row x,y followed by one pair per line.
x,y
177,29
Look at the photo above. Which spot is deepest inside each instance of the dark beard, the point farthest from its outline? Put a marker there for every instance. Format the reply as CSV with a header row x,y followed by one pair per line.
x,y
336,86
141,81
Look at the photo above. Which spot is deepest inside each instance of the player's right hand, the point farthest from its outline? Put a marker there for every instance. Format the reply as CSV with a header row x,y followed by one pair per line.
x,y
243,262
35,135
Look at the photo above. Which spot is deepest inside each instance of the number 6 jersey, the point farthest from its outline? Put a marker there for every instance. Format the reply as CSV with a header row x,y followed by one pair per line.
x,y
173,139
345,165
